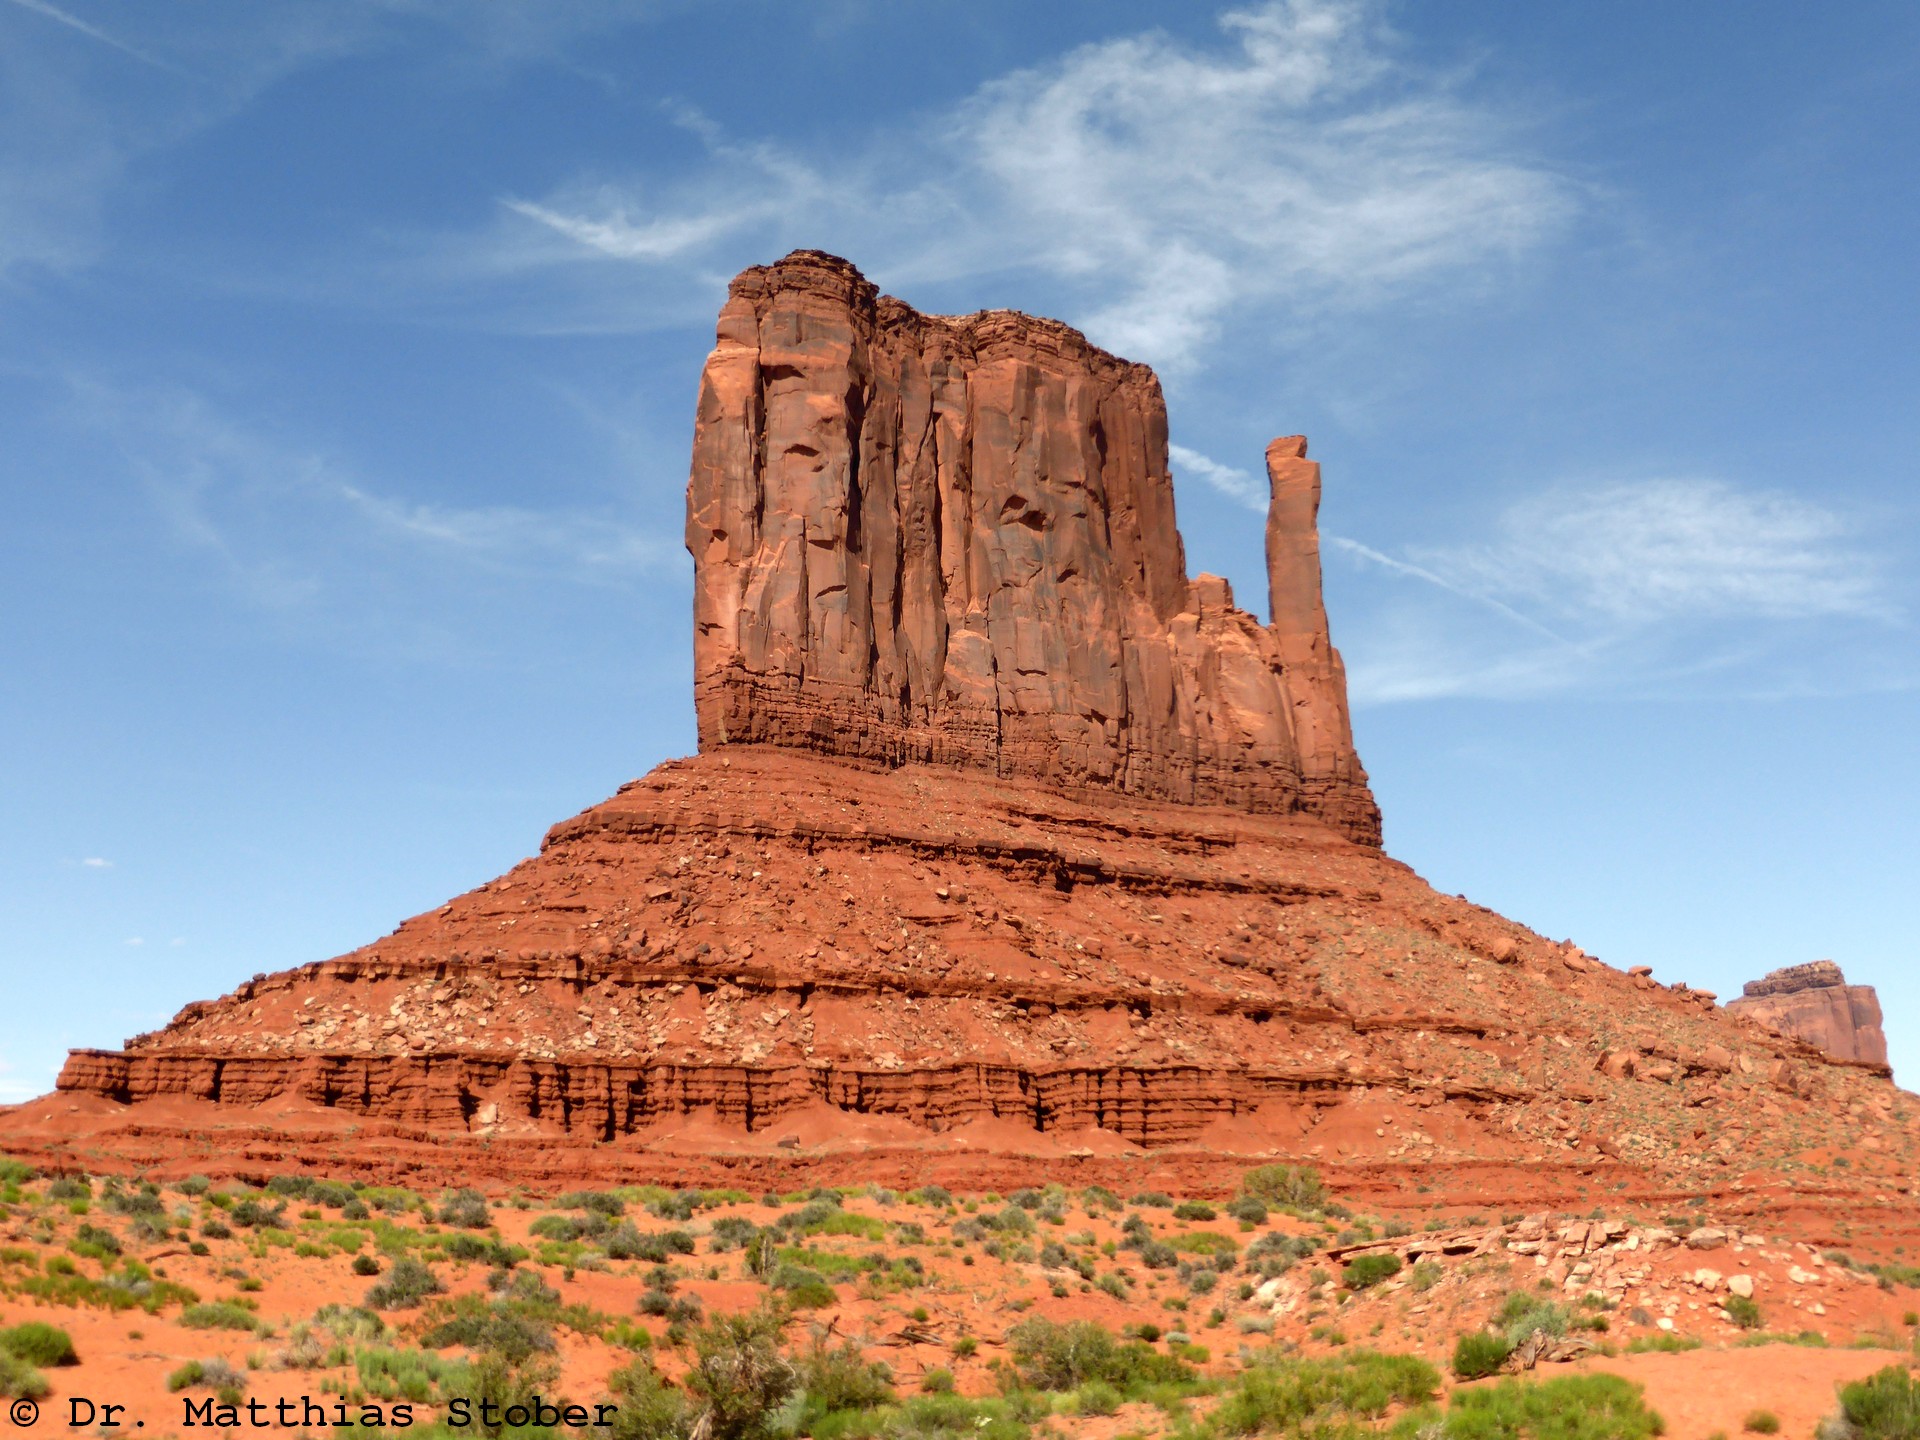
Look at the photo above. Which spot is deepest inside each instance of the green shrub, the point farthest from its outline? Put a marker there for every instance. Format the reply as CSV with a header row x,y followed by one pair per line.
x,y
1049,1355
219,1315
1286,1187
1365,1271
1662,1342
1478,1354
94,1243
1884,1406
1284,1392
585,1226
1194,1210
406,1285
38,1343
1761,1422
253,1215
1744,1312
1573,1407
839,1378
502,1327
365,1265
739,1375
466,1209
186,1377
19,1380
605,1202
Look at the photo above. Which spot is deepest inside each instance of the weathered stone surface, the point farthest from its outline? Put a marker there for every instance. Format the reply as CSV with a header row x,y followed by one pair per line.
x,y
1814,1003
951,540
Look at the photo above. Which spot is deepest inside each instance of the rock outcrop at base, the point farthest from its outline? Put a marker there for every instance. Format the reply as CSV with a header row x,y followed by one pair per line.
x,y
1814,1003
951,540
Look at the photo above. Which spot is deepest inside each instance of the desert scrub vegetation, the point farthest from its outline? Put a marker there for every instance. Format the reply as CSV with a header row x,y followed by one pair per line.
x,y
1884,1406
1050,1355
1284,1393
37,1343
1363,1272
220,1315
408,1283
19,1380
1572,1407
1295,1188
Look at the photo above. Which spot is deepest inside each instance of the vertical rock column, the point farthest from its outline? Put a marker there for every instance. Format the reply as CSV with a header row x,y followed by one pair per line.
x,y
1312,675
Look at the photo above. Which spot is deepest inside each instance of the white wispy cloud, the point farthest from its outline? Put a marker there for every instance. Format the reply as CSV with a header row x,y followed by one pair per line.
x,y
95,862
294,527
1644,552
1646,583
75,120
94,32
1237,485
1297,162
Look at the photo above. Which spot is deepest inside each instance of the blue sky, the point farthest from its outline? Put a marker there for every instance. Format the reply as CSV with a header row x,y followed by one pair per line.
x,y
347,364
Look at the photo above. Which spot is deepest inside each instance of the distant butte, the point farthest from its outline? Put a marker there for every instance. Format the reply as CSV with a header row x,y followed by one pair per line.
x,y
1814,1003
1011,852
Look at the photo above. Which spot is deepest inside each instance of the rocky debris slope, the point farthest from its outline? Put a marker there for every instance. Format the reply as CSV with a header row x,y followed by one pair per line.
x,y
1814,1003
1683,1279
951,540
932,973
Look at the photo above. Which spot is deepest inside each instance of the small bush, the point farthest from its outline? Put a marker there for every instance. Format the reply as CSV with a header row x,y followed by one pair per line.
x,y
38,1343
19,1380
836,1378
1248,1210
1363,1272
1194,1210
406,1285
1574,1407
94,1243
1286,1393
219,1315
1477,1355
1286,1187
603,1202
1761,1422
1052,1356
365,1265
466,1209
1744,1312
1663,1342
1884,1406
253,1215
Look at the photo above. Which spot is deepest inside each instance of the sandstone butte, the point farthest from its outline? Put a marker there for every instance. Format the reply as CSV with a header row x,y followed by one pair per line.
x,y
1815,1003
1011,852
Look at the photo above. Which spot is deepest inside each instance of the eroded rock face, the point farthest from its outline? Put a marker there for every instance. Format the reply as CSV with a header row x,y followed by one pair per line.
x,y
1814,1003
951,540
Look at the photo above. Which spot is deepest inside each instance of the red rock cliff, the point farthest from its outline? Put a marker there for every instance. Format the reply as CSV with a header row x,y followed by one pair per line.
x,y
1814,1003
951,540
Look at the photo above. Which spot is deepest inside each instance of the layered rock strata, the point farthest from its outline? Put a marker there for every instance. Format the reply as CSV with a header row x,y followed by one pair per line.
x,y
951,540
1814,1003
771,964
